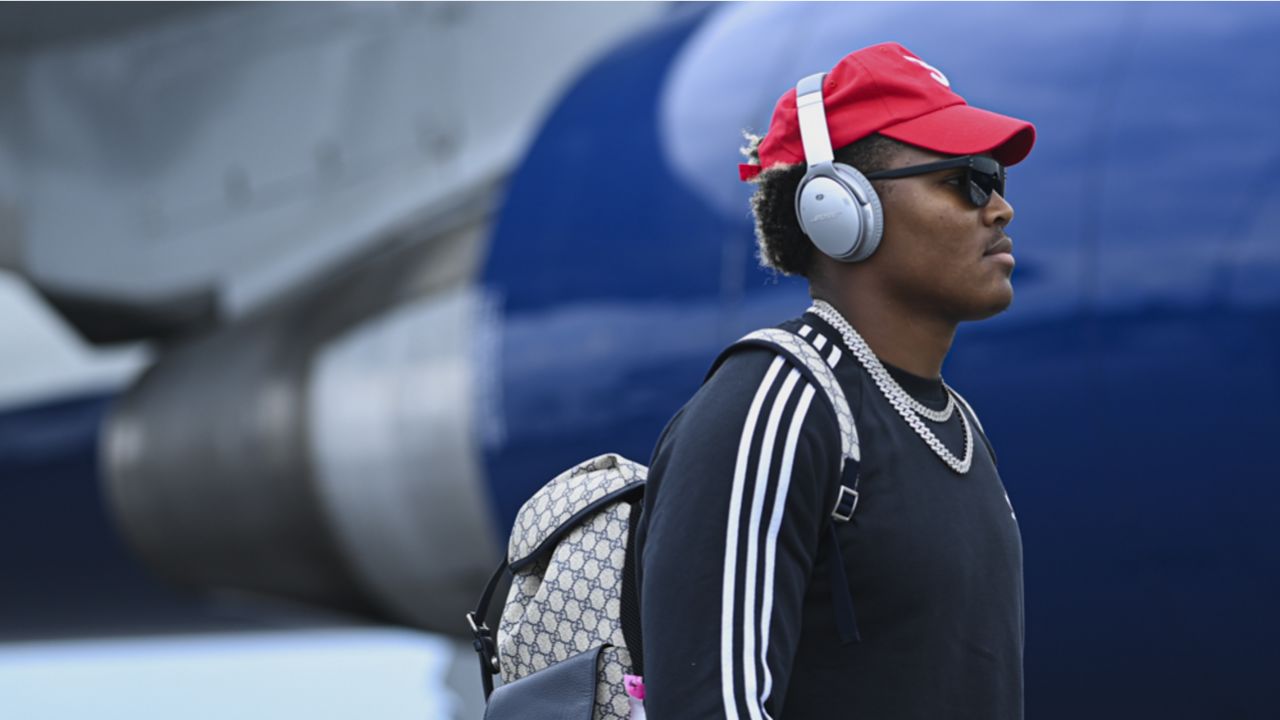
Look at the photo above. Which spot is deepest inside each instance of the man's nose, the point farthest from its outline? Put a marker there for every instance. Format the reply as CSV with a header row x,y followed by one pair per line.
x,y
998,211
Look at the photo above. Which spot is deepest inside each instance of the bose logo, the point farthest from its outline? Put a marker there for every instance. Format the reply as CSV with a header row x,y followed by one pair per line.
x,y
934,72
825,216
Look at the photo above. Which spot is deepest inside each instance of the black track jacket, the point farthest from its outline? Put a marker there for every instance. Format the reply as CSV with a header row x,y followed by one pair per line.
x,y
736,606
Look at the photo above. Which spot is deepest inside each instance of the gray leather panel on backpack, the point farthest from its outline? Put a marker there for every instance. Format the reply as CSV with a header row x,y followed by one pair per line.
x,y
564,691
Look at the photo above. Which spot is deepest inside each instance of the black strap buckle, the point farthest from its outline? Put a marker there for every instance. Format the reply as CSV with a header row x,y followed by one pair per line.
x,y
483,643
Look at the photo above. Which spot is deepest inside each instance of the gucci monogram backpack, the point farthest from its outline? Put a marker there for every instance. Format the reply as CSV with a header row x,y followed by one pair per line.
x,y
568,642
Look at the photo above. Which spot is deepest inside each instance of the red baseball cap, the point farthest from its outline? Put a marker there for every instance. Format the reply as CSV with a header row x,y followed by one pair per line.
x,y
886,89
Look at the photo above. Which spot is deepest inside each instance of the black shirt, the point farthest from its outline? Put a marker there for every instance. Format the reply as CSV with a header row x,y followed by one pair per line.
x,y
735,600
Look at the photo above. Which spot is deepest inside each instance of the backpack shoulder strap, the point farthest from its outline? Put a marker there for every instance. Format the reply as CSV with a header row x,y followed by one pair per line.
x,y
809,362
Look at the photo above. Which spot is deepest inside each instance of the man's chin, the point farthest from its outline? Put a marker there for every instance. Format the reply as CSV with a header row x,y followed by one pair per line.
x,y
998,303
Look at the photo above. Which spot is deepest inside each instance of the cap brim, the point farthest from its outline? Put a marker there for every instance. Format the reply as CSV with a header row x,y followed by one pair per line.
x,y
966,130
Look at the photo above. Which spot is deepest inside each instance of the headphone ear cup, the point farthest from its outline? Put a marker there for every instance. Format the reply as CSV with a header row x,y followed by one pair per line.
x,y
840,212
873,213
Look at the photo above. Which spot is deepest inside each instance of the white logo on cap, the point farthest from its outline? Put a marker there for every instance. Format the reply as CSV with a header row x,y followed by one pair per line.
x,y
934,72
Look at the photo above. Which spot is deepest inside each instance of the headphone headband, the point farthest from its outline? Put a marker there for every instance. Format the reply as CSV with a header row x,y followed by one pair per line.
x,y
813,120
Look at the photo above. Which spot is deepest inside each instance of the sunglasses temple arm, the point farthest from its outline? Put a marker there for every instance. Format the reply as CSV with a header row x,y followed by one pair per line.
x,y
962,162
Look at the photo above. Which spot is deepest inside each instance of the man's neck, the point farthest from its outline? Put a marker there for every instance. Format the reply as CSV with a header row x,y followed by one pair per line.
x,y
898,336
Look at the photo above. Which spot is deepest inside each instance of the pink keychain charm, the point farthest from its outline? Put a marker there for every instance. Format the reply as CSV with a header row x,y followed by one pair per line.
x,y
635,695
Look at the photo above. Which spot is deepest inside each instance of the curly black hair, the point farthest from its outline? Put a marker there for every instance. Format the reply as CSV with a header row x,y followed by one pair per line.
x,y
780,244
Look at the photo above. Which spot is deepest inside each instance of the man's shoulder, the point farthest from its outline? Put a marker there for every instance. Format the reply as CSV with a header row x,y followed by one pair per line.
x,y
756,386
738,376
743,365
834,351
745,371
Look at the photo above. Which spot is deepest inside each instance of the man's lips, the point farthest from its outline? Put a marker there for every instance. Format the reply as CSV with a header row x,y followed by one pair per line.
x,y
1004,244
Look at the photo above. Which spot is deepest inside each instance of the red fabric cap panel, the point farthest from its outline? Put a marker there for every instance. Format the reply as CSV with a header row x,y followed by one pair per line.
x,y
888,89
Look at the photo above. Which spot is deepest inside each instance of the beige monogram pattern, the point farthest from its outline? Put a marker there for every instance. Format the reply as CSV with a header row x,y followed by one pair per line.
x,y
569,603
611,693
805,352
569,492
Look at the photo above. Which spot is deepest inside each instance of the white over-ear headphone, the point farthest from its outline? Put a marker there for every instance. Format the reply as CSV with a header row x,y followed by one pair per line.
x,y
835,204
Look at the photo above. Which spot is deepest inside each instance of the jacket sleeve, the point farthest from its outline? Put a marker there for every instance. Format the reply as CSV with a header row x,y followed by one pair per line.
x,y
738,496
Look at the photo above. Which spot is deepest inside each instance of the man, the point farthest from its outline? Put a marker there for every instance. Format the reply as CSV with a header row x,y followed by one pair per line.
x,y
742,614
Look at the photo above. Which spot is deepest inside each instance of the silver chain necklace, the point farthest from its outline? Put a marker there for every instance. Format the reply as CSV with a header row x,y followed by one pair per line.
x,y
908,407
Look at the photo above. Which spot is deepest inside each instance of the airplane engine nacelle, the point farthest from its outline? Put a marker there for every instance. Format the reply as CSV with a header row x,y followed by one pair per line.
x,y
325,456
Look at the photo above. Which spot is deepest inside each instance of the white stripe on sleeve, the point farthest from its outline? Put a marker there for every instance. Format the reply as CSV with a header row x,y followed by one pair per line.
x,y
727,594
771,542
749,622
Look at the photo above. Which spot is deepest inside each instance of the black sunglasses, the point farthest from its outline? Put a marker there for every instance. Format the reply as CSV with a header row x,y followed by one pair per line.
x,y
983,175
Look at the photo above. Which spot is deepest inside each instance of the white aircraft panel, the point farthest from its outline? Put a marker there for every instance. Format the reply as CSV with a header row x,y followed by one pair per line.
x,y
247,149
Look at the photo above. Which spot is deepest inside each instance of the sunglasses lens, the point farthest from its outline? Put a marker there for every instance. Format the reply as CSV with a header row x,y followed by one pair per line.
x,y
980,187
985,176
